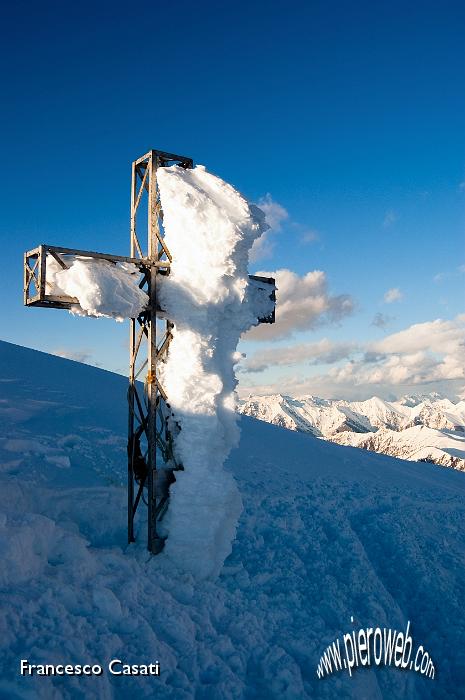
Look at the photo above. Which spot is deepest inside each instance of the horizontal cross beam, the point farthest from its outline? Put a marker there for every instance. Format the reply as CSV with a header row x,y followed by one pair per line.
x,y
35,275
35,272
56,250
164,159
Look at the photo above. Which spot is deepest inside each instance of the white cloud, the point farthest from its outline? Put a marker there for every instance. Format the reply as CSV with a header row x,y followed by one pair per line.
x,y
390,218
441,276
437,336
302,303
392,295
322,351
275,214
422,357
310,236
421,354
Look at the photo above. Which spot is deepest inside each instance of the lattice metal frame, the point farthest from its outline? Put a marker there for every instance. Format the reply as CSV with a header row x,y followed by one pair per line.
x,y
151,423
149,414
35,273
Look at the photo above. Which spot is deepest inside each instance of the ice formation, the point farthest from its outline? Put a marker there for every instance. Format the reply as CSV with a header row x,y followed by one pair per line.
x,y
209,229
101,287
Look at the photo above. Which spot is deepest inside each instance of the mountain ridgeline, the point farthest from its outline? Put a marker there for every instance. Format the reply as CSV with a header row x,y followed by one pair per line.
x,y
427,428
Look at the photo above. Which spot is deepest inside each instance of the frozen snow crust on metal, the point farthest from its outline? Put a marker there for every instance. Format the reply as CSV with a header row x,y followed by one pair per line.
x,y
209,230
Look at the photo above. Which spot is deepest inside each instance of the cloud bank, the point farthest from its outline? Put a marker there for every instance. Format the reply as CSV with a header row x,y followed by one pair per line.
x,y
275,215
321,352
420,358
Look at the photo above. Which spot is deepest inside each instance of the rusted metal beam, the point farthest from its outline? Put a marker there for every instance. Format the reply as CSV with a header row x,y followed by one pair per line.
x,y
164,158
156,428
35,272
140,262
155,543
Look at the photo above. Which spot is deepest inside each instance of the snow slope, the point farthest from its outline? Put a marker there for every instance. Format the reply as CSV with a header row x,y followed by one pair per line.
x,y
392,428
326,532
320,417
417,443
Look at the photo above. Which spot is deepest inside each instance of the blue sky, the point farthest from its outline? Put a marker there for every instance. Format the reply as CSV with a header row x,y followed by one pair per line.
x,y
348,115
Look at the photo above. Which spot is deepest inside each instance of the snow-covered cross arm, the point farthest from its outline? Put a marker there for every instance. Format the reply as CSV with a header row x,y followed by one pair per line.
x,y
189,298
101,284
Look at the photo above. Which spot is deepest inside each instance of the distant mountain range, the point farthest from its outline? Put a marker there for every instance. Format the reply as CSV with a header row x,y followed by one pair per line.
x,y
428,428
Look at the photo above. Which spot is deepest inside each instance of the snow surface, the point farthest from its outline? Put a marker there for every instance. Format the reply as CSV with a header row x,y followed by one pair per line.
x,y
418,443
209,230
101,287
326,532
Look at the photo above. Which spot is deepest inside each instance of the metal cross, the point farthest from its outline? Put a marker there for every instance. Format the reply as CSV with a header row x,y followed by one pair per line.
x,y
151,422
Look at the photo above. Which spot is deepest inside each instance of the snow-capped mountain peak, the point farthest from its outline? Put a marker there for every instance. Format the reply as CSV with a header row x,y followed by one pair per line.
x,y
392,427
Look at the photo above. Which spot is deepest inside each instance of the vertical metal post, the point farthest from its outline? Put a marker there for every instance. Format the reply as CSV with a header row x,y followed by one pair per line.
x,y
144,433
131,388
26,278
42,270
155,543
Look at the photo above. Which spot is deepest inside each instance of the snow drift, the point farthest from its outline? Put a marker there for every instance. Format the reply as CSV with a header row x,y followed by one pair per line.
x,y
102,288
326,533
209,230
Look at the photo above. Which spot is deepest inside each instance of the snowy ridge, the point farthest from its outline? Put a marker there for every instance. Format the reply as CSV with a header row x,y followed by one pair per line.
x,y
417,443
389,427
326,532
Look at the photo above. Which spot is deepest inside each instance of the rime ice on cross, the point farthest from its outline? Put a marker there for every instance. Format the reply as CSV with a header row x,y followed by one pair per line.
x,y
150,420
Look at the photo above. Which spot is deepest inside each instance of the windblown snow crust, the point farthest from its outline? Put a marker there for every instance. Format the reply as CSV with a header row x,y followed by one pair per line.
x,y
101,287
209,230
326,533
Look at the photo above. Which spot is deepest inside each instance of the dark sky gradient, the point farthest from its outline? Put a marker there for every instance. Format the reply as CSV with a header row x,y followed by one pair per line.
x,y
341,111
